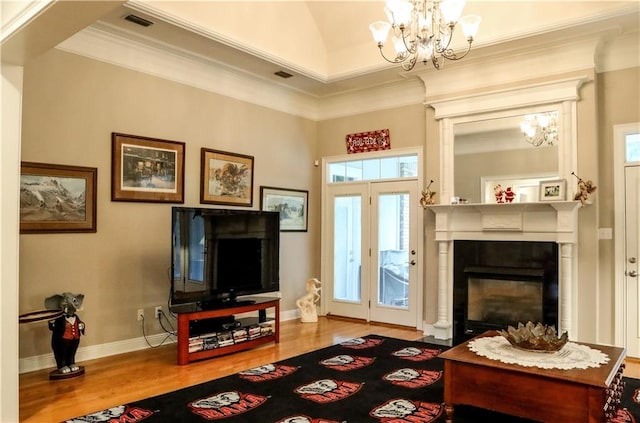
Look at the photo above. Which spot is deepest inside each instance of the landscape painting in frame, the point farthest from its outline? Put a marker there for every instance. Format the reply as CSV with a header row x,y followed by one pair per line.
x,y
146,169
292,204
57,198
226,178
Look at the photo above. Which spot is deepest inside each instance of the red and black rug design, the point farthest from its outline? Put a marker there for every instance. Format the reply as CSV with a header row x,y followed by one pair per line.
x,y
368,379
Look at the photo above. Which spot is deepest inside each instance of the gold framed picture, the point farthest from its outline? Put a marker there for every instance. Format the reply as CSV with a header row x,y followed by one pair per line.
x,y
57,198
146,169
226,178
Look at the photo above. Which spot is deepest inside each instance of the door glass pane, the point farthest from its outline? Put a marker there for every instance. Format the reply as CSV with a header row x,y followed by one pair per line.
x,y
371,169
393,254
632,148
408,166
347,235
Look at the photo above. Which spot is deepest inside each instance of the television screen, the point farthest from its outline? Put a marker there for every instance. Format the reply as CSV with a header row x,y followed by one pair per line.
x,y
219,254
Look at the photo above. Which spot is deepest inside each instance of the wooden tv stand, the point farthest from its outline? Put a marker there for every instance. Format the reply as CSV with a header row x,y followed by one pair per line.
x,y
191,314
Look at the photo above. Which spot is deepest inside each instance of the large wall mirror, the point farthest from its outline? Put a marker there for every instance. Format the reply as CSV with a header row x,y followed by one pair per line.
x,y
482,143
516,149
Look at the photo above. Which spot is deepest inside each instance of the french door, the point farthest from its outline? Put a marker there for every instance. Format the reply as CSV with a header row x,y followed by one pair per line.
x,y
373,251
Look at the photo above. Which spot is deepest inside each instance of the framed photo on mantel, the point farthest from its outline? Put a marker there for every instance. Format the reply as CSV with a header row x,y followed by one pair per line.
x,y
553,190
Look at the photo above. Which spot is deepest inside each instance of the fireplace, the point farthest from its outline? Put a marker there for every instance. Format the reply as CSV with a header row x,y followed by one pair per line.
x,y
494,244
501,283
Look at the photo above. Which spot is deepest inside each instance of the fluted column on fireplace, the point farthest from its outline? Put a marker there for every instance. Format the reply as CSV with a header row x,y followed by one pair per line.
x,y
442,328
566,287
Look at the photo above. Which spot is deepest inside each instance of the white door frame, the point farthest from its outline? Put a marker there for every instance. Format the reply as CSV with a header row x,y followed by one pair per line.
x,y
619,132
326,228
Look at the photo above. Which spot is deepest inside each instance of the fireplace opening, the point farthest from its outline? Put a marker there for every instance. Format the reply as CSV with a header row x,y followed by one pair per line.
x,y
498,297
501,283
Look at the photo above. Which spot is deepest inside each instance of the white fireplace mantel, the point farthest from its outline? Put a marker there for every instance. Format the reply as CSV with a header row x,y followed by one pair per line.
x,y
545,221
538,222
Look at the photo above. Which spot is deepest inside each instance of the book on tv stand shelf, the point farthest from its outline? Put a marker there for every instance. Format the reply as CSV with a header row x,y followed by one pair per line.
x,y
209,333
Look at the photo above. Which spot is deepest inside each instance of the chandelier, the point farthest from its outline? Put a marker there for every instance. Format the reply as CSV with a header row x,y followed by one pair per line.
x,y
423,30
539,128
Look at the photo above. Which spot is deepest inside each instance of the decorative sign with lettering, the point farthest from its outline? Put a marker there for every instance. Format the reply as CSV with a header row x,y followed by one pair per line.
x,y
368,141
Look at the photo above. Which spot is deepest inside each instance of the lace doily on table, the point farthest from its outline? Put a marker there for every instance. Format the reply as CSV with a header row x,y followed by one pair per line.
x,y
571,356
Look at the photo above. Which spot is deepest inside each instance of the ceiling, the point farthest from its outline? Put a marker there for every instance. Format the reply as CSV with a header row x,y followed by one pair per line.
x,y
324,44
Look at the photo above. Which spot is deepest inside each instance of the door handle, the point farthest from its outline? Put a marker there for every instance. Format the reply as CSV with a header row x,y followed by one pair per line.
x,y
632,273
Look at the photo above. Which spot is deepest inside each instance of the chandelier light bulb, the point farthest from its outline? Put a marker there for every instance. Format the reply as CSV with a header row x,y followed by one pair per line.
x,y
380,31
470,25
452,10
399,46
401,11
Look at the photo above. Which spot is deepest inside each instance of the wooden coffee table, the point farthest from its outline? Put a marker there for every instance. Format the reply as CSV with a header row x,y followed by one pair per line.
x,y
550,395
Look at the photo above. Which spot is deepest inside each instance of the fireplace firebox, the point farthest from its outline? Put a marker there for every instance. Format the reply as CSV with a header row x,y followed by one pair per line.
x,y
501,283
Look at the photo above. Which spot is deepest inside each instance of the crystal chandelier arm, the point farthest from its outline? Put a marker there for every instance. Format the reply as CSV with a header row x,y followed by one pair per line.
x,y
400,58
449,54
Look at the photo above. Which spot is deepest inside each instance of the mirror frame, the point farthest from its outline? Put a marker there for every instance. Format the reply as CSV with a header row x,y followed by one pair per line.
x,y
561,95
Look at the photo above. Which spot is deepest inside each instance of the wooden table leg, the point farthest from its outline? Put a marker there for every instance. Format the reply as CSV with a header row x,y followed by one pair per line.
x,y
449,410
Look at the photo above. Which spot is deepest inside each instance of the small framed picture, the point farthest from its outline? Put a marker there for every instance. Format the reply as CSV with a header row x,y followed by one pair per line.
x,y
553,190
226,178
292,204
57,198
146,169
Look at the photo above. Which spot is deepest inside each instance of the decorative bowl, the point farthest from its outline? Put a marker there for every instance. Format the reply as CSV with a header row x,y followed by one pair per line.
x,y
535,337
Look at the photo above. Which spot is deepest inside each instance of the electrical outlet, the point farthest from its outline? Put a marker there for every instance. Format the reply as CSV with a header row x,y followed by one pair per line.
x,y
158,312
140,314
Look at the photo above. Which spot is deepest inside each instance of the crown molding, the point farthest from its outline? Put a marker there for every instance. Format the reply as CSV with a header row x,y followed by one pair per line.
x,y
18,14
185,68
189,70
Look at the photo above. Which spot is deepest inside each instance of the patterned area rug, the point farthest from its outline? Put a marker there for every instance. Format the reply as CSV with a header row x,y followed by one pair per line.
x,y
369,379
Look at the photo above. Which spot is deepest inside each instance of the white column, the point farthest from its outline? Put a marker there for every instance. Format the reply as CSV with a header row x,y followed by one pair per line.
x,y
443,325
566,289
11,90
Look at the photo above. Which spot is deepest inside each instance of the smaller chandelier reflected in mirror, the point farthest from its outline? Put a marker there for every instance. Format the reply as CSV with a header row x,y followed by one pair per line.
x,y
540,128
423,30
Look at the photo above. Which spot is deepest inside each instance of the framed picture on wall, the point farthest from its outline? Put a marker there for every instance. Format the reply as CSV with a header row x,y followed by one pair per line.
x,y
292,204
226,178
57,198
146,169
553,190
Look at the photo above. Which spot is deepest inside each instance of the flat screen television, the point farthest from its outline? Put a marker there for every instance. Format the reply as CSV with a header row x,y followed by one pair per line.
x,y
218,255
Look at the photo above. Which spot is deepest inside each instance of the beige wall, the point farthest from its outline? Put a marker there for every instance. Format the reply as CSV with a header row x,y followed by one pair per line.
x,y
616,106
71,106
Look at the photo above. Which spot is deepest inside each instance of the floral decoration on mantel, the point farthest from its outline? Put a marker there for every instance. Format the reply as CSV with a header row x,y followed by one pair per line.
x,y
572,355
427,196
584,189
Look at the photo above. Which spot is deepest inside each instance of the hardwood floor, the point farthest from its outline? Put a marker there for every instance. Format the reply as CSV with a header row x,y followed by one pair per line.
x,y
133,376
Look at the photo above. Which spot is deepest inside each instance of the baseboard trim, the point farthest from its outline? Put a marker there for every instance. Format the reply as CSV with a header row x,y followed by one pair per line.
x,y
45,361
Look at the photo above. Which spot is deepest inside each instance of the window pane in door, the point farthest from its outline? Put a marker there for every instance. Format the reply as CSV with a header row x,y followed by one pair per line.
x,y
632,148
347,248
393,250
